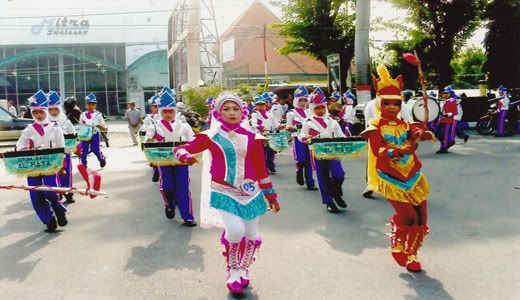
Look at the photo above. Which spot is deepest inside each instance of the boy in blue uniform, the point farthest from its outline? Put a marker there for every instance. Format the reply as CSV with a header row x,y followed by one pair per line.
x,y
43,135
93,118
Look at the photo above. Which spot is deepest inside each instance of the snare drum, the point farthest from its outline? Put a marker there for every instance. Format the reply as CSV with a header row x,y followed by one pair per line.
x,y
71,142
419,110
338,148
161,154
279,141
34,163
85,132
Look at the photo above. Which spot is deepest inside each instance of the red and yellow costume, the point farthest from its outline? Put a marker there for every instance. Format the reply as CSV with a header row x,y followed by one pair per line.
x,y
399,176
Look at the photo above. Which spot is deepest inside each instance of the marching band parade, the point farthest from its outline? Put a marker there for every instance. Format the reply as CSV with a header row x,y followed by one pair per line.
x,y
241,149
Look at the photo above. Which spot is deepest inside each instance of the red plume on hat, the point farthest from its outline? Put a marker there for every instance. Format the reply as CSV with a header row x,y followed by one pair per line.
x,y
411,59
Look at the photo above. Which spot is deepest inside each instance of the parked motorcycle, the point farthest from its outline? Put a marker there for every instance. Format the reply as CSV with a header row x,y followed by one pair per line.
x,y
488,123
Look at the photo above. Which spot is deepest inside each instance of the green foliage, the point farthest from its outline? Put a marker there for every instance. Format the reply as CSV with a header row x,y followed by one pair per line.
x,y
442,28
467,66
318,28
502,43
249,92
195,98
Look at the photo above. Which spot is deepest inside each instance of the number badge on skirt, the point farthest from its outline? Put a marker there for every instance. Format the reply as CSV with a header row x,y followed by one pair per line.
x,y
249,187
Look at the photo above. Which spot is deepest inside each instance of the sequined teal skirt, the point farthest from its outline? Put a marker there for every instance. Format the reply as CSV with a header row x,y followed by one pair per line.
x,y
243,206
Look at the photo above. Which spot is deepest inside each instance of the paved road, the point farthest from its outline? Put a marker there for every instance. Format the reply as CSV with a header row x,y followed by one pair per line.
x,y
122,246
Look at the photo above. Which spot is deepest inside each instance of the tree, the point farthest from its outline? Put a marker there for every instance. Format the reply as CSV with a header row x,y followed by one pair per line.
x,y
502,43
467,67
441,29
195,98
319,28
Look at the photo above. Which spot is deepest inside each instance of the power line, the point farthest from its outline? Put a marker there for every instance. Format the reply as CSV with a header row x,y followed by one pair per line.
x,y
168,10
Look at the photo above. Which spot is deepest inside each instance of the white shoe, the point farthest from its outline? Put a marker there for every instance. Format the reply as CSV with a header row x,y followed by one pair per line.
x,y
368,193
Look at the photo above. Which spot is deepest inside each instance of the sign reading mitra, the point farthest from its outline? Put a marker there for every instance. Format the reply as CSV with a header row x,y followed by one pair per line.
x,y
62,26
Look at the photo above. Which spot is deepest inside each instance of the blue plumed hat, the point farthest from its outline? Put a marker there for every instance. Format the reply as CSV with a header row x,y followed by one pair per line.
x,y
318,99
335,95
167,90
319,91
166,101
502,89
448,89
153,100
259,99
301,92
348,94
91,98
267,97
210,101
38,101
54,99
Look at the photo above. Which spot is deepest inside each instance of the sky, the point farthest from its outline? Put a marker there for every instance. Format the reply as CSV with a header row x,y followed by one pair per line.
x,y
148,27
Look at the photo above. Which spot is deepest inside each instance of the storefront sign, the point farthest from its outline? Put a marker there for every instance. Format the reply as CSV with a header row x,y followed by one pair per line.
x,y
62,26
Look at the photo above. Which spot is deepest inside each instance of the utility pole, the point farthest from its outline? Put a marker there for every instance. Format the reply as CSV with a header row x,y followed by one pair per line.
x,y
266,85
361,51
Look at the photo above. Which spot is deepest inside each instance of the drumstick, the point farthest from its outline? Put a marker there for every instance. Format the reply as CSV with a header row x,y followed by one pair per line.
x,y
59,190
423,85
414,60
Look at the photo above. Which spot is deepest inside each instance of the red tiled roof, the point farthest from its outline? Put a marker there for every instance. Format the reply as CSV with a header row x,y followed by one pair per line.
x,y
247,31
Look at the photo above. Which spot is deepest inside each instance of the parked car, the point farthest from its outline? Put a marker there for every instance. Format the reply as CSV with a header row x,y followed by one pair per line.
x,y
11,126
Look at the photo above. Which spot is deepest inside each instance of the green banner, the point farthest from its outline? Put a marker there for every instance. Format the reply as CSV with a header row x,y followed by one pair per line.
x,y
85,132
279,141
161,156
71,144
339,150
34,165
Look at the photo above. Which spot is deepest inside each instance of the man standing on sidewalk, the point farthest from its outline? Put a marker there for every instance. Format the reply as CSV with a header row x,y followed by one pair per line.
x,y
133,116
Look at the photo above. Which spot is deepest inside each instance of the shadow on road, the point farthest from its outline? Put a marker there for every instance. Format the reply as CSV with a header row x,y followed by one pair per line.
x,y
170,251
426,287
18,206
27,224
14,257
349,233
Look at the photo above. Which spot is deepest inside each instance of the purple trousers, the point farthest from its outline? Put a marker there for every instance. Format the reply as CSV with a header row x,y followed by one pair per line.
x,y
502,116
175,189
330,179
45,204
302,156
91,146
65,180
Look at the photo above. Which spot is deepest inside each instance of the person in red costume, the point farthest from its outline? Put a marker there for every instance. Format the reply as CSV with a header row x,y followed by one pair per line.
x,y
393,142
447,123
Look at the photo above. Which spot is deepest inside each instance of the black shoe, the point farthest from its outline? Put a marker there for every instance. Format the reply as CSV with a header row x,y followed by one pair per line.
x,y
272,170
332,208
451,144
51,226
155,177
466,138
299,178
69,198
311,187
442,151
340,202
170,213
189,223
102,163
368,193
62,219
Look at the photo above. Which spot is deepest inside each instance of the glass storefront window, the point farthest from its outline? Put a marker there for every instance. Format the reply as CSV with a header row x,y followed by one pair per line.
x,y
81,76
